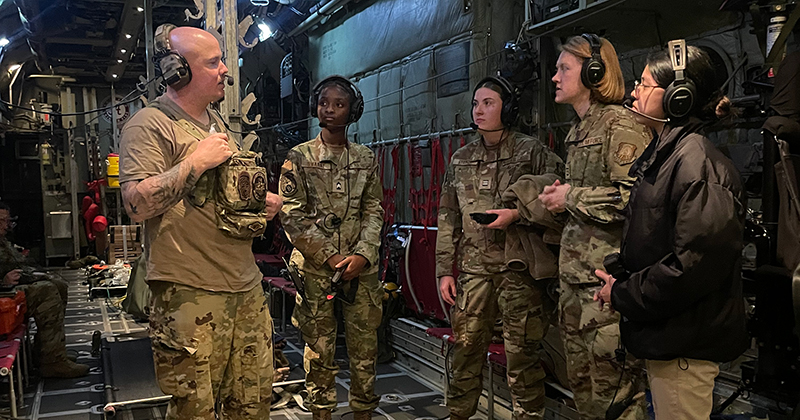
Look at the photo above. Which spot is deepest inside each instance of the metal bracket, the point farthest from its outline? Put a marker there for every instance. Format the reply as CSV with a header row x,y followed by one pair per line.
x,y
248,102
244,26
201,11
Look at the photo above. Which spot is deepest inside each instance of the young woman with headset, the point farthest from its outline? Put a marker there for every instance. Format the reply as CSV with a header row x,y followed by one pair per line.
x,y
602,144
332,214
475,216
678,285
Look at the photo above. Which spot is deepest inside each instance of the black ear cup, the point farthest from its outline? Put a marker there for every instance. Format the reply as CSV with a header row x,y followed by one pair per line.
x,y
679,96
356,107
174,67
593,69
510,111
679,99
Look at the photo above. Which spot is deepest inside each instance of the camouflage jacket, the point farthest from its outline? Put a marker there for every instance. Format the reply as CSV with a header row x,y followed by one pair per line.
x,y
315,184
600,150
10,258
475,182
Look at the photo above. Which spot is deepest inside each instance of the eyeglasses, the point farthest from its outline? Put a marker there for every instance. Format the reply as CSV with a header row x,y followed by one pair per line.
x,y
637,84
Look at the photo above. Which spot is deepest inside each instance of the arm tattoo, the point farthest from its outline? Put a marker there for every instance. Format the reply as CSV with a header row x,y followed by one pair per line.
x,y
153,196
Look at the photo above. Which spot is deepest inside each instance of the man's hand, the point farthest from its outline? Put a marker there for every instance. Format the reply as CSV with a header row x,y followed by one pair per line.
x,y
505,217
211,152
335,259
274,204
447,288
12,277
355,264
554,197
603,295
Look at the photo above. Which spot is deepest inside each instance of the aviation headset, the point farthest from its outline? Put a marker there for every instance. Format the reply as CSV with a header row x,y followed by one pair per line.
x,y
174,68
356,105
593,69
510,111
680,95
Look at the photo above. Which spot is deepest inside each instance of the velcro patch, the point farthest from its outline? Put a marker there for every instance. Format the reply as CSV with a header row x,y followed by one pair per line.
x,y
288,184
591,141
625,154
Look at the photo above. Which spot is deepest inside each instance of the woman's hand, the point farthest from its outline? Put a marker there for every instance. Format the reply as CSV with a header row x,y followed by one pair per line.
x,y
603,295
554,197
353,265
447,288
505,217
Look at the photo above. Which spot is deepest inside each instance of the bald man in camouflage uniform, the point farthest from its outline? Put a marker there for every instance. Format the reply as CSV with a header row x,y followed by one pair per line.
x,y
332,214
601,148
210,326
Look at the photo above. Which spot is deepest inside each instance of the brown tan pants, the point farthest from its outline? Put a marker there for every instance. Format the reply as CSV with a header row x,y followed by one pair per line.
x,y
682,388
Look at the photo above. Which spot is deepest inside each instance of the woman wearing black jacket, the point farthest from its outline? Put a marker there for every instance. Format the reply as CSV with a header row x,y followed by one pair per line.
x,y
678,284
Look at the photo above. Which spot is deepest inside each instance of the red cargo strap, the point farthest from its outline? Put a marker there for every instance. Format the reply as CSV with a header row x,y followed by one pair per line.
x,y
415,195
389,205
435,186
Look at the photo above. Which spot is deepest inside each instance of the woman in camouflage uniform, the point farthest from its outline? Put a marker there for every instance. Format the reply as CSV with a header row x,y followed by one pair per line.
x,y
478,176
332,214
601,146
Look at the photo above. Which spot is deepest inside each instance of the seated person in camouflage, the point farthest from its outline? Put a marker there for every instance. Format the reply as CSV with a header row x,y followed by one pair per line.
x,y
476,181
46,297
332,214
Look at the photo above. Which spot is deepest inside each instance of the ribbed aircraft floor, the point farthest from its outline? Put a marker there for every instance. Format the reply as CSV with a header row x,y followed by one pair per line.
x,y
405,396
406,393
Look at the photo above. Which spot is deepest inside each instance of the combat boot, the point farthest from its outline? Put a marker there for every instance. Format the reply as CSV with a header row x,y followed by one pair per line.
x,y
321,415
65,369
362,415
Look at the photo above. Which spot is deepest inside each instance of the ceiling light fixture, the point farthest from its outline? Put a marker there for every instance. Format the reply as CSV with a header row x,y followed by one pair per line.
x,y
3,42
114,75
14,67
119,60
123,50
139,9
127,36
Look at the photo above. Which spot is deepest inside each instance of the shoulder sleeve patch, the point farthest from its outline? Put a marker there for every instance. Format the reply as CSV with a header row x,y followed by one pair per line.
x,y
625,154
288,184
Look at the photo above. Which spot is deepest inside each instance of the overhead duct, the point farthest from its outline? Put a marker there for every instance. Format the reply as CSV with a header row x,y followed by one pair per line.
x,y
326,10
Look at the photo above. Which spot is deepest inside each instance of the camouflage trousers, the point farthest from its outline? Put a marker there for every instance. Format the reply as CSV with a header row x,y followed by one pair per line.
x,y
212,351
591,337
47,306
518,299
315,317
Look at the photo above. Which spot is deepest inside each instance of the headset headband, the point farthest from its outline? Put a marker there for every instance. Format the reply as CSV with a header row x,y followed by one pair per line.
x,y
677,55
594,44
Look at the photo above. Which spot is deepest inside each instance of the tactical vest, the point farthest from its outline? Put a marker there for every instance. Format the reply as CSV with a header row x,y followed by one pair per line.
x,y
237,187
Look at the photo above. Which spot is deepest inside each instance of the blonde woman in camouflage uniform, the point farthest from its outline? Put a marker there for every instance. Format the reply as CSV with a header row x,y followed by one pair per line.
x,y
477,180
332,214
601,146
